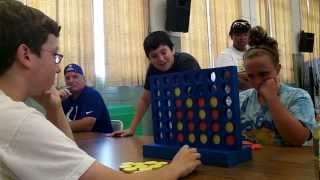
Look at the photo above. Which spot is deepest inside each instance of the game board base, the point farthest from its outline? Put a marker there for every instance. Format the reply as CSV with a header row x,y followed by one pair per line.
x,y
224,158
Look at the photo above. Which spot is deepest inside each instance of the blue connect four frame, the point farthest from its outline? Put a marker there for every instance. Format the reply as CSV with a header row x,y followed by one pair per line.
x,y
201,109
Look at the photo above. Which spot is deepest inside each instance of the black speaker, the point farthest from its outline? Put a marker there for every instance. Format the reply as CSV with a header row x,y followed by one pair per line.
x,y
178,15
306,41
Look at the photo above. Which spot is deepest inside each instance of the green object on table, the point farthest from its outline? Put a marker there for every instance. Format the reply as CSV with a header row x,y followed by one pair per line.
x,y
124,113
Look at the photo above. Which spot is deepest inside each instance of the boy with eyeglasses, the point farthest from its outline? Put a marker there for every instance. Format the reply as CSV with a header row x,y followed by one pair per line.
x,y
34,146
233,56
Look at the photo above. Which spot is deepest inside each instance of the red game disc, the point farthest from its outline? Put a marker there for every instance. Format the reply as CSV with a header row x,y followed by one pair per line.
x,y
190,115
201,102
215,127
191,126
203,126
178,103
179,115
230,140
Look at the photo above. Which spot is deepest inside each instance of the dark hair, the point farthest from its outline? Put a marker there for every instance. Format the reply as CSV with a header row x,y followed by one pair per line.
x,y
262,44
20,24
156,39
239,26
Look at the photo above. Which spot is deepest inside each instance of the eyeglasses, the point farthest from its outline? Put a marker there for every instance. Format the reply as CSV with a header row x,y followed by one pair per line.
x,y
57,57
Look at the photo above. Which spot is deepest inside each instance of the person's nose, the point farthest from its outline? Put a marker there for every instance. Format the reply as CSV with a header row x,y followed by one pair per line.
x,y
256,82
161,58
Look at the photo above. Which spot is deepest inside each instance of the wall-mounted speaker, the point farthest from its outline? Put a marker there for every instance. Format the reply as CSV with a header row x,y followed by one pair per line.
x,y
306,41
178,15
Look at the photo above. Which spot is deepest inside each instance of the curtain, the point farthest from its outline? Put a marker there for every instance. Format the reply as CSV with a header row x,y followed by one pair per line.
x,y
223,13
262,14
195,41
126,26
310,19
76,36
281,30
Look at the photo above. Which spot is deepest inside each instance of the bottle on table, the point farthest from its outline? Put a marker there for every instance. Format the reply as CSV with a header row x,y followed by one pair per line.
x,y
316,150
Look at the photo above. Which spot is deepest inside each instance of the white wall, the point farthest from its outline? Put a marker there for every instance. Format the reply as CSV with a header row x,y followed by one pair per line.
x,y
157,15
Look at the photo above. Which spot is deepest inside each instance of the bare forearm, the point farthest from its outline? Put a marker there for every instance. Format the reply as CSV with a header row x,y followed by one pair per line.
x,y
141,109
82,125
58,118
290,129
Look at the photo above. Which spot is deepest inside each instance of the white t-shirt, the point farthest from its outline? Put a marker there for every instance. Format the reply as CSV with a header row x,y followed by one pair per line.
x,y
230,57
32,148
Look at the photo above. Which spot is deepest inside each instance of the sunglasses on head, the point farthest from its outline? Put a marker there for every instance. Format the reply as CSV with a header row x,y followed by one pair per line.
x,y
240,23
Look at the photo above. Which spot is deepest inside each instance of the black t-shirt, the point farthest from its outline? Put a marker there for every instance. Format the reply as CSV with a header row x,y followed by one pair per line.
x,y
182,62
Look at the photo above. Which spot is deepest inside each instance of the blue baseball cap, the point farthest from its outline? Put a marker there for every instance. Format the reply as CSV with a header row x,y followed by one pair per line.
x,y
73,68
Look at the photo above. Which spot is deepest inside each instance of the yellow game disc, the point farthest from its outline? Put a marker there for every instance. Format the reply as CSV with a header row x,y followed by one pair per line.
x,y
213,102
151,162
139,164
163,163
180,126
229,127
127,163
143,169
203,138
156,166
142,166
177,91
189,102
192,138
130,169
202,114
216,139
125,166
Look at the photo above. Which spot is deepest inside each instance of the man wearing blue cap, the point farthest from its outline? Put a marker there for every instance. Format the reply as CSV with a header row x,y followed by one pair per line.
x,y
83,105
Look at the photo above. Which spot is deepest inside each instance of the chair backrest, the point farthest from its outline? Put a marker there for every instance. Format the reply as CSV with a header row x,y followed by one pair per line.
x,y
116,125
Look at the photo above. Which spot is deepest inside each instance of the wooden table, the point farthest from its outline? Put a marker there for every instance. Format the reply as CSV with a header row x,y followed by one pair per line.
x,y
285,163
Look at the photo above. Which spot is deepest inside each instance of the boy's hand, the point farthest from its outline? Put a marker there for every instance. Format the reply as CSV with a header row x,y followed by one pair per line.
x,y
49,99
122,133
185,161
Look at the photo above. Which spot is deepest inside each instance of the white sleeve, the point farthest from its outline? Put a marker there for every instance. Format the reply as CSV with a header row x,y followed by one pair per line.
x,y
39,150
224,59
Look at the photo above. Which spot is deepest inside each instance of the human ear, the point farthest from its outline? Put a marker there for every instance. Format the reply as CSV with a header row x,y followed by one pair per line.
x,y
23,55
278,68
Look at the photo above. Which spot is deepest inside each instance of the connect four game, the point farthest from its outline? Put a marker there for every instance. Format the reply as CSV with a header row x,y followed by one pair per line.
x,y
201,109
